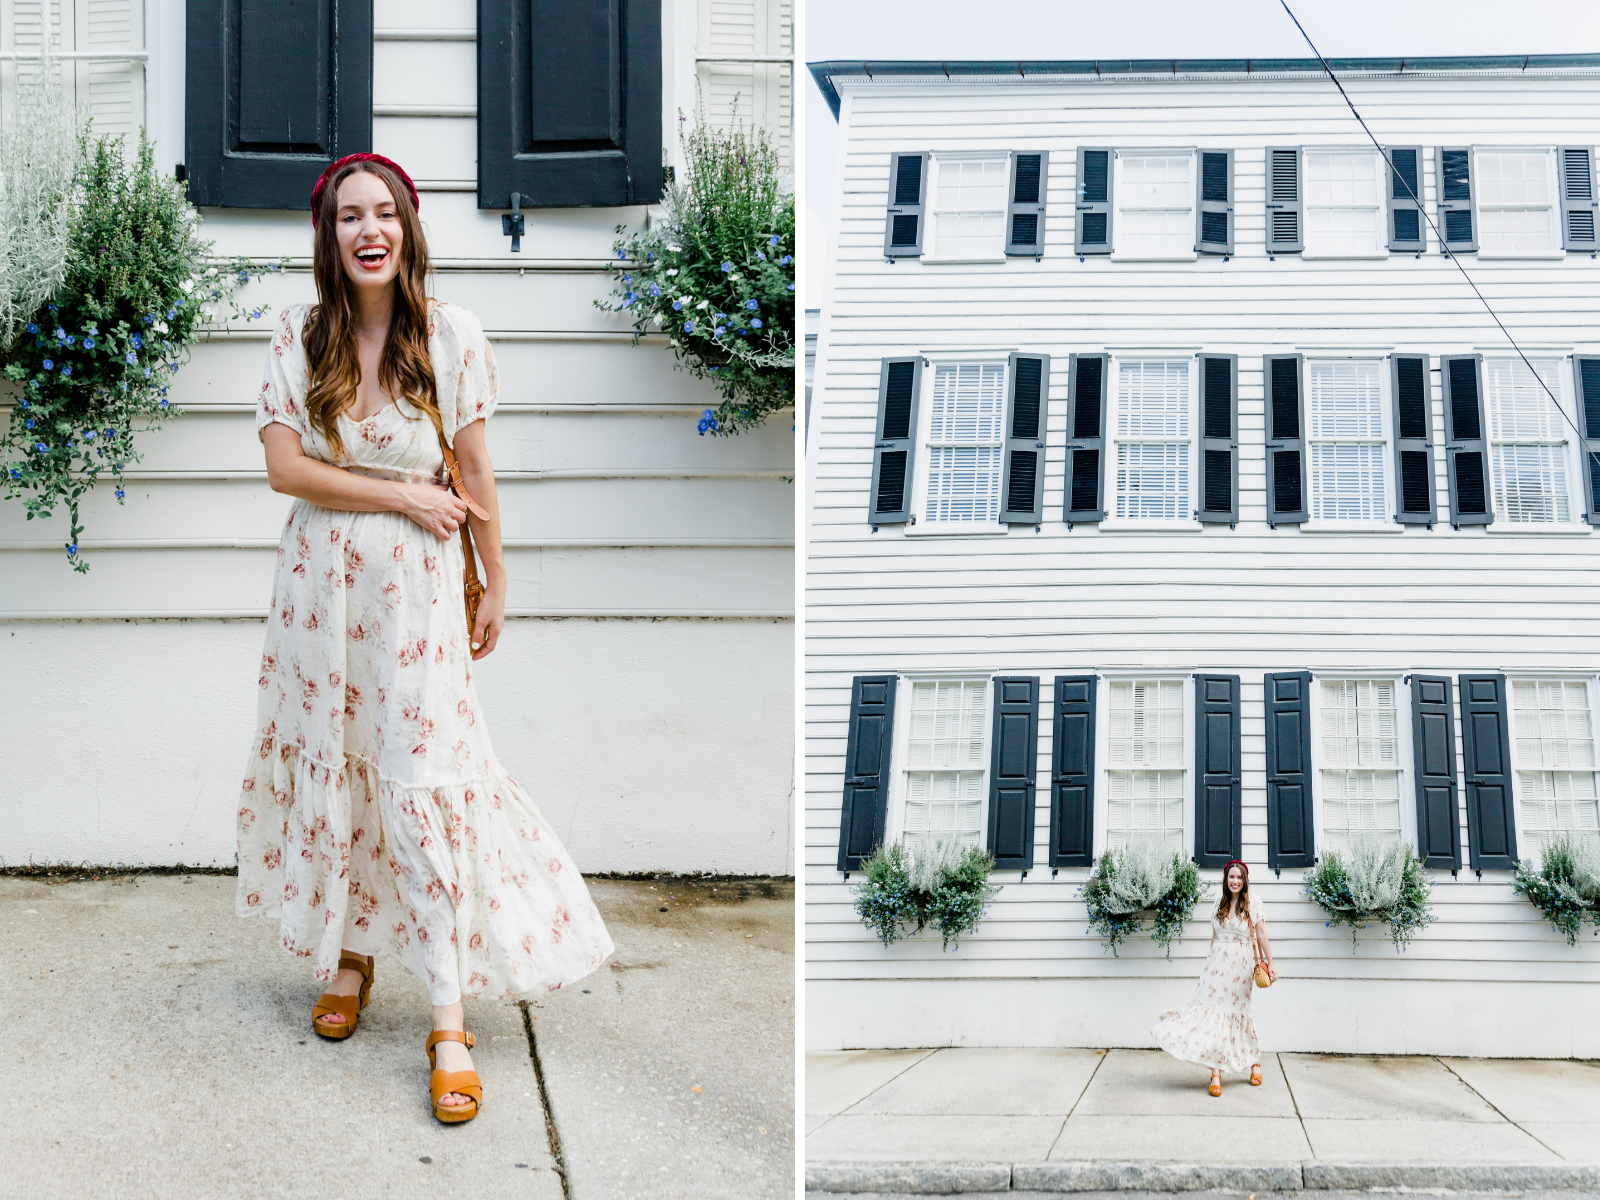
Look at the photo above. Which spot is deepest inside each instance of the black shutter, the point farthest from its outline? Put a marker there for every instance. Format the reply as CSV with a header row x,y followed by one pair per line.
x,y
1092,228
1022,482
1218,791
1285,213
1284,375
1458,214
866,769
1214,214
1219,438
1433,743
1290,840
1588,372
1013,764
894,441
1485,753
1072,773
1412,414
1579,203
1087,385
1025,212
908,190
1405,198
274,93
1466,446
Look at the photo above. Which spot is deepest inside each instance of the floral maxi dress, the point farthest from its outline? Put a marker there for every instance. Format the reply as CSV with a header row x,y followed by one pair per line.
x,y
375,817
1214,1028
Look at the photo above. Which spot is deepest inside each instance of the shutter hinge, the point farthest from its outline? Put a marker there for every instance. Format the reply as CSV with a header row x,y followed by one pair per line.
x,y
512,226
180,172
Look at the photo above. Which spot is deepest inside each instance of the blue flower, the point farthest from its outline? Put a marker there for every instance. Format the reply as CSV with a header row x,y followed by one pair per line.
x,y
66,370
620,254
147,372
631,298
255,314
243,275
89,433
131,357
721,329
32,328
761,256
786,259
137,340
88,343
111,433
40,447
773,240
25,404
727,266
16,474
708,421
164,403
654,291
60,333
677,304
172,314
688,326
29,423
751,305
120,493
72,549
791,287
71,341
756,321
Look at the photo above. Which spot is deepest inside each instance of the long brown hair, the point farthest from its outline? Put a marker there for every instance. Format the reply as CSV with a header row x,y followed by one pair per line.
x,y
1244,892
404,368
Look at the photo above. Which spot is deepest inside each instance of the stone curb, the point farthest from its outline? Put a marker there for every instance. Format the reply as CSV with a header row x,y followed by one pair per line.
x,y
1321,1176
1154,1177
909,1178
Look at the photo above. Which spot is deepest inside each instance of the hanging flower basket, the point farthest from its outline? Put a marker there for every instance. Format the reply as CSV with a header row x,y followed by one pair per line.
x,y
1140,882
1566,886
1377,882
943,883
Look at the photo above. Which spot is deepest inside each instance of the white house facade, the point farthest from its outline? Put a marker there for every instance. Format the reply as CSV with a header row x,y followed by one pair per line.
x,y
643,690
1166,479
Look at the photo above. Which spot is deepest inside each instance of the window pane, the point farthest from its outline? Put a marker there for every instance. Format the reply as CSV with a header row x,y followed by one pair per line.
x,y
964,443
1156,197
942,804
1360,730
1513,178
1153,399
970,235
1156,181
969,207
1554,730
945,757
1518,230
1530,484
1144,804
1153,480
1347,482
1146,727
1530,480
1519,407
1345,400
1344,204
1343,179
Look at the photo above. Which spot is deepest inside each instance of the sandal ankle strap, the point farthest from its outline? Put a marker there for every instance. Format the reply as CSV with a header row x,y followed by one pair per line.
x,y
356,962
450,1035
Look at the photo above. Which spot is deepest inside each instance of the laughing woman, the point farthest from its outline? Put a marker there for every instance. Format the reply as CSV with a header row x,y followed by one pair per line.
x,y
375,816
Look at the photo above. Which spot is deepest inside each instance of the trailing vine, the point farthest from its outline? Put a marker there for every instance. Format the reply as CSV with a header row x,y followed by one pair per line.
x,y
1566,885
1376,882
1138,881
943,883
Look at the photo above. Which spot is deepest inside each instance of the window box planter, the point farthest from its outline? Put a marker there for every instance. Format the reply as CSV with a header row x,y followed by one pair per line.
x,y
1376,883
944,884
1566,885
1138,883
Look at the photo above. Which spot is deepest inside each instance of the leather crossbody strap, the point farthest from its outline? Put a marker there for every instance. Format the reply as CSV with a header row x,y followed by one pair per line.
x,y
472,587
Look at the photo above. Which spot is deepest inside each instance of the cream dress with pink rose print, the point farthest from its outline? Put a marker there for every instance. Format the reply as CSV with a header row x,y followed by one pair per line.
x,y
375,817
1214,1028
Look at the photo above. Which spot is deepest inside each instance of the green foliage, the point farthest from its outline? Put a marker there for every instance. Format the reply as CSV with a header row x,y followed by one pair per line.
x,y
717,274
1139,880
1377,882
1566,887
955,894
38,161
884,899
95,360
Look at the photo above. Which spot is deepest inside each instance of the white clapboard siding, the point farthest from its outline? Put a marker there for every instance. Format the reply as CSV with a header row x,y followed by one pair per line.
x,y
750,93
1240,601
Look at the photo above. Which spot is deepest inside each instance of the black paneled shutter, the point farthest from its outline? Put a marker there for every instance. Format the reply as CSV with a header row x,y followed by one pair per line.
x,y
1588,373
1214,216
908,190
1433,743
1218,793
1458,214
1579,203
1025,212
866,769
1285,213
274,93
1286,444
1022,482
1485,753
1013,765
1413,441
1092,227
1405,198
1088,379
1219,438
1466,444
569,103
1289,834
894,443
1072,773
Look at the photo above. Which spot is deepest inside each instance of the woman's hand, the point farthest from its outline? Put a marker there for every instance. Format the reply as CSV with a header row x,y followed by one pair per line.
x,y
436,508
1272,973
491,620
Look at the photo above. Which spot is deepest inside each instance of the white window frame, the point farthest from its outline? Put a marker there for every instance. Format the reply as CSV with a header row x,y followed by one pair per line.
x,y
918,526
930,246
1404,701
1384,523
1119,253
1102,750
1553,177
1572,449
900,751
1381,212
1526,847
1111,521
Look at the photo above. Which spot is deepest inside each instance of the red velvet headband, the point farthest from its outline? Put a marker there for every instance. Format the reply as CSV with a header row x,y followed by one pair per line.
x,y
1232,862
322,181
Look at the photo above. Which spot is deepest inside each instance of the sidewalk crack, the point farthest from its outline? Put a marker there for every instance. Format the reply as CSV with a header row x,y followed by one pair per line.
x,y
551,1132
1100,1062
1298,1115
1493,1105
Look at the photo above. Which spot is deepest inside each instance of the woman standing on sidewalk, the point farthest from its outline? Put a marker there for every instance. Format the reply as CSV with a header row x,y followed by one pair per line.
x,y
375,816
1214,1028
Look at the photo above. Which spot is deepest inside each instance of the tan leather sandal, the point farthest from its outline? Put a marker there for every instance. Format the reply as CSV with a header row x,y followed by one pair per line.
x,y
1255,1075
348,1007
442,1083
1216,1084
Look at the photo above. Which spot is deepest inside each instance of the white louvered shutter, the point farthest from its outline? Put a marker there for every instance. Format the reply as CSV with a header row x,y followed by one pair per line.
x,y
754,93
110,93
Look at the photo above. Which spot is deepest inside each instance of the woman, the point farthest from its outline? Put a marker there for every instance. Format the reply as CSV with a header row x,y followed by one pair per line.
x,y
1214,1029
375,816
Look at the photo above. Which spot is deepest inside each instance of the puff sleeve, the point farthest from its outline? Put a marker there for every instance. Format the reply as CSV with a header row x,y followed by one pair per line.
x,y
477,382
277,400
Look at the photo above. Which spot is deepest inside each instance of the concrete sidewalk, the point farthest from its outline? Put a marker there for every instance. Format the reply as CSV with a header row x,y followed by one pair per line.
x,y
1050,1120
159,1046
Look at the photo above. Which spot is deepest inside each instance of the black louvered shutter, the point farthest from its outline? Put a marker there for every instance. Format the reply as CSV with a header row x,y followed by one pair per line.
x,y
1093,224
1025,211
1413,439
1579,204
1466,448
1022,483
1458,213
1405,198
1285,213
1290,841
1072,773
1485,754
1433,744
894,443
274,93
1013,765
908,191
1214,214
865,806
569,103
1286,444
1087,384
1218,793
1219,438
1588,373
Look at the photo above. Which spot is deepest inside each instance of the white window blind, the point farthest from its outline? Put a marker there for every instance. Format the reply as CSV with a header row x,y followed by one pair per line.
x,y
1145,759
1155,201
965,444
1348,448
1554,730
1152,434
1527,442
111,93
945,750
1345,204
969,206
1517,202
751,93
1360,760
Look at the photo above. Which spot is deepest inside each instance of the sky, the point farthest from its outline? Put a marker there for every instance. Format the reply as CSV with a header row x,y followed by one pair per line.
x,y
1069,29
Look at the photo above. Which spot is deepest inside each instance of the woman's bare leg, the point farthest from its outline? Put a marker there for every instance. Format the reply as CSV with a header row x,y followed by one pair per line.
x,y
451,1056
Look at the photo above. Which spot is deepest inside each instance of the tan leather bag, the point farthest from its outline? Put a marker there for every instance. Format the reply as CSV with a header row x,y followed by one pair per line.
x,y
472,588
1262,978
